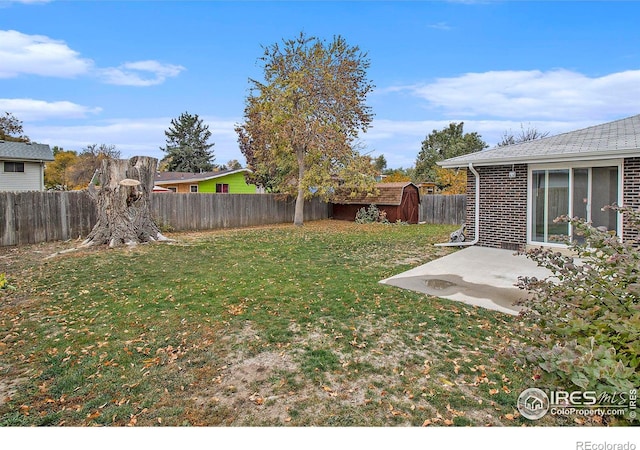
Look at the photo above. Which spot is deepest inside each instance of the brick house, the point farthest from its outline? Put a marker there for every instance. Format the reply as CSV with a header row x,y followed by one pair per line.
x,y
518,190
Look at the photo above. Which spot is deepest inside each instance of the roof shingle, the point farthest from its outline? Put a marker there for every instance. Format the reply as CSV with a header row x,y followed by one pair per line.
x,y
613,139
25,151
388,194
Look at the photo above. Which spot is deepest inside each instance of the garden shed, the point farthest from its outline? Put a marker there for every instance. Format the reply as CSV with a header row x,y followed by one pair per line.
x,y
400,201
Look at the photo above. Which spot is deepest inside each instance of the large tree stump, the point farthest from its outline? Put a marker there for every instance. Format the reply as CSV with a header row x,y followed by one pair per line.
x,y
123,200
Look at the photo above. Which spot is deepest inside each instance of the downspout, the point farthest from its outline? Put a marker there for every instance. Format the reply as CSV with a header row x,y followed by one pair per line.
x,y
477,218
42,175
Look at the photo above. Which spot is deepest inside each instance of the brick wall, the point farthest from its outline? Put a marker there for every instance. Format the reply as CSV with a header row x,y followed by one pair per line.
x,y
503,206
631,194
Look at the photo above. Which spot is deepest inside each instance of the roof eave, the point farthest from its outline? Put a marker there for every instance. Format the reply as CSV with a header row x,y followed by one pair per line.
x,y
541,159
25,159
197,180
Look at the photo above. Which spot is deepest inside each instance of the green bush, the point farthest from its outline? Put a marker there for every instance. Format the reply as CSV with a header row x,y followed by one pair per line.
x,y
586,318
371,215
4,282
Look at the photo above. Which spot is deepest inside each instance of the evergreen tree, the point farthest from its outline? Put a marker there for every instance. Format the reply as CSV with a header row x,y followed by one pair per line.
x,y
187,146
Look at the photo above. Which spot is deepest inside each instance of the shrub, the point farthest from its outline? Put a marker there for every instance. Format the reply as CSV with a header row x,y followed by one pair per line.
x,y
4,282
371,215
586,318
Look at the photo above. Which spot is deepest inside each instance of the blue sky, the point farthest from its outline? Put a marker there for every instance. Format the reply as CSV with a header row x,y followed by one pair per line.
x,y
117,72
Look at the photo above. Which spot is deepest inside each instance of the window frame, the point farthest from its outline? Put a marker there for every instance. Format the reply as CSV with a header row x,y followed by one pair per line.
x,y
16,165
570,165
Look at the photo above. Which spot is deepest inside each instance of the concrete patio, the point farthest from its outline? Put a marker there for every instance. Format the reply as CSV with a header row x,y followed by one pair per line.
x,y
479,276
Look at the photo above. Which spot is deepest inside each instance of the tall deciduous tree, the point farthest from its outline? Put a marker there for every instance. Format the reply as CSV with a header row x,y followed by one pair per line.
x,y
11,129
88,161
57,174
187,145
302,123
447,143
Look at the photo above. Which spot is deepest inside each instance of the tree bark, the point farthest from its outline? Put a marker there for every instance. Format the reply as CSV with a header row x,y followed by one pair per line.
x,y
298,217
123,200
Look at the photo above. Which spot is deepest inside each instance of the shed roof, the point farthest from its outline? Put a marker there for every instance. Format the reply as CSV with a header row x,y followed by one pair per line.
x,y
189,177
25,151
387,194
617,139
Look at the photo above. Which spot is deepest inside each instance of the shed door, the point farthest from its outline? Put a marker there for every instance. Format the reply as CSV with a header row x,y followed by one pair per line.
x,y
410,203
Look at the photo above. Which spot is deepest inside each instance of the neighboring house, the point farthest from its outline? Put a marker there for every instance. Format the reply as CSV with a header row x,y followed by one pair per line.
x,y
222,182
518,190
22,165
400,201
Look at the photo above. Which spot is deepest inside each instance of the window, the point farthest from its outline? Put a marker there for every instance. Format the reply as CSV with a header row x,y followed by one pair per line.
x,y
173,188
222,188
576,192
10,166
193,188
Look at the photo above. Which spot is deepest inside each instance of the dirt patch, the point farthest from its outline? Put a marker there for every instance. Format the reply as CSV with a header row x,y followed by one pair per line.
x,y
255,386
9,387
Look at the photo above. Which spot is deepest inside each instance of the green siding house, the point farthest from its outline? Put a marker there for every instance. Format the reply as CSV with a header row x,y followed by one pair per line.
x,y
222,182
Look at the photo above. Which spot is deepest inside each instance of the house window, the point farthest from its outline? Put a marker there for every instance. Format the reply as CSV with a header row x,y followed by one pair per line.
x,y
222,188
10,166
173,188
193,188
576,192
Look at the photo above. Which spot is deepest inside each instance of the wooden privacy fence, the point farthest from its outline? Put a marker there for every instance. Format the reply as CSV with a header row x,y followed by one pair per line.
x,y
212,211
33,217
443,209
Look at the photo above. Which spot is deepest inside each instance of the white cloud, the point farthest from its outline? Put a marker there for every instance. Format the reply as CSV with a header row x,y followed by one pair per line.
x,y
27,109
522,95
400,141
443,26
140,73
38,55
24,54
7,3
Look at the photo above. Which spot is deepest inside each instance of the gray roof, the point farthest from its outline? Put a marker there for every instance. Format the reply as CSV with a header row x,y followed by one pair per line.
x,y
617,139
186,177
25,151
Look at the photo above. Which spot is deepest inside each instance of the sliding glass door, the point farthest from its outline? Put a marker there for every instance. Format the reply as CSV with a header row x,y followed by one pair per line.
x,y
577,192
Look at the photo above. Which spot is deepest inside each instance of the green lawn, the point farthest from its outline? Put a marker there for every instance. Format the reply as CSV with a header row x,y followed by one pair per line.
x,y
265,326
